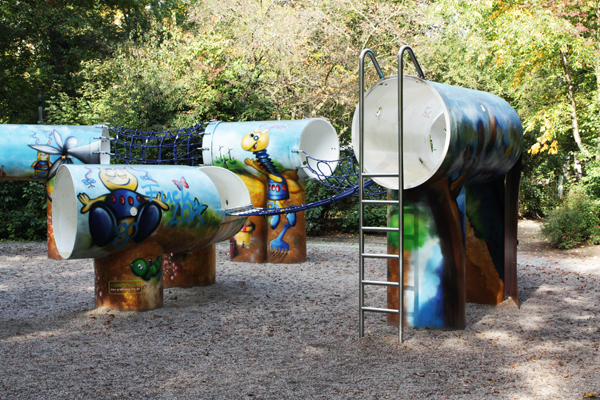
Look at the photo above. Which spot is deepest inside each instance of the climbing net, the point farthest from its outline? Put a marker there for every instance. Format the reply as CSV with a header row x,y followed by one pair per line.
x,y
184,147
345,176
344,180
179,147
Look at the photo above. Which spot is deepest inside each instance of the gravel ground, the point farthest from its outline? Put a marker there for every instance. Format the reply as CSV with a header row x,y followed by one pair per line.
x,y
267,331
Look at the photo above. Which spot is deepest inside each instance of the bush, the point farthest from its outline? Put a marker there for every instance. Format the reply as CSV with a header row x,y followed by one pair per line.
x,y
23,210
574,222
340,216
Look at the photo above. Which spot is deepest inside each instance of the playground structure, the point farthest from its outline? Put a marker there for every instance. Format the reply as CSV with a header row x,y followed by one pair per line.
x,y
456,182
133,212
271,158
451,159
134,215
275,174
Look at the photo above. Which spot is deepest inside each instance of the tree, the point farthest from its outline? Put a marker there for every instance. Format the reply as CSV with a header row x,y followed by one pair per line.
x,y
541,57
305,53
44,43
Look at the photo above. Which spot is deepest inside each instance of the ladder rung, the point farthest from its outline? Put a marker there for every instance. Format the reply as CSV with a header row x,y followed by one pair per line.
x,y
386,256
381,202
387,283
380,310
381,283
380,229
381,175
388,310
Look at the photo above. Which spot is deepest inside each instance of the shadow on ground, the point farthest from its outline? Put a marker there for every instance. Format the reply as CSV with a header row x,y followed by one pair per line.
x,y
269,331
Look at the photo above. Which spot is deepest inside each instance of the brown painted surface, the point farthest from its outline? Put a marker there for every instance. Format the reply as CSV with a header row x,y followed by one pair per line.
x,y
118,288
511,213
392,293
442,200
295,236
482,282
190,269
250,245
257,242
52,249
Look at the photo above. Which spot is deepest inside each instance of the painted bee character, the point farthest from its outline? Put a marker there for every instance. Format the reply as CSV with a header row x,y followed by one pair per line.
x,y
146,270
123,213
245,235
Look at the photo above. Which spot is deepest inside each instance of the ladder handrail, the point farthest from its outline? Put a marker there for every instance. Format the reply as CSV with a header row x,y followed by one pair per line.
x,y
401,190
407,49
361,156
363,174
404,49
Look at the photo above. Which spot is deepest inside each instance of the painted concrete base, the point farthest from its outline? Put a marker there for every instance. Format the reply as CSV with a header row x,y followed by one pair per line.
x,y
190,269
131,279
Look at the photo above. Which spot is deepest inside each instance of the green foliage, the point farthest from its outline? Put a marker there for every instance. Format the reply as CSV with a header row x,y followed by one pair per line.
x,y
23,210
44,44
167,64
150,84
341,216
413,217
574,222
540,180
591,180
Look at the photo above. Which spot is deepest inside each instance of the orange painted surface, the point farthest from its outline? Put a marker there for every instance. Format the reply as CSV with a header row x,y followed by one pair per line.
x,y
250,244
392,293
52,250
190,269
483,284
117,287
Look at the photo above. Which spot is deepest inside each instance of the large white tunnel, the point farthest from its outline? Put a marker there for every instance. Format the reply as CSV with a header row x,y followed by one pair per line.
x,y
102,209
289,144
448,131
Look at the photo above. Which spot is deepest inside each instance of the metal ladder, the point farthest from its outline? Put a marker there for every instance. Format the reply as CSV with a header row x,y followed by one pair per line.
x,y
399,202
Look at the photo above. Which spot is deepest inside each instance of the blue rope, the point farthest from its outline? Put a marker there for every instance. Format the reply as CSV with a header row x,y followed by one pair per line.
x,y
184,147
178,147
265,212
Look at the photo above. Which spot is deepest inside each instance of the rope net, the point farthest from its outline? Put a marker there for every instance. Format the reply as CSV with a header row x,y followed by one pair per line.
x,y
345,176
344,181
184,147
180,147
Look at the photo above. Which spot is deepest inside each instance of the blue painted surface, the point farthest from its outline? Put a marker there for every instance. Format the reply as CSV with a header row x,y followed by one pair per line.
x,y
486,133
427,266
128,204
225,140
429,311
30,151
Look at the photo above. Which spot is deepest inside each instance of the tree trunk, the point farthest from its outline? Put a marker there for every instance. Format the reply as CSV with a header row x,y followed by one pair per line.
x,y
571,93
